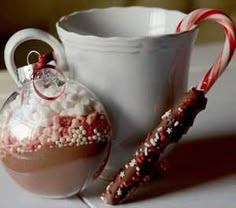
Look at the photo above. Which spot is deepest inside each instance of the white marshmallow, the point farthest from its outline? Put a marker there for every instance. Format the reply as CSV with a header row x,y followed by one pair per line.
x,y
63,113
55,106
72,88
83,93
79,110
85,101
99,107
67,104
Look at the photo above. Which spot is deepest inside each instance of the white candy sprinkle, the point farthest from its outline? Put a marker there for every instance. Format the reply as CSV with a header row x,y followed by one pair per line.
x,y
84,132
152,141
94,137
132,163
95,131
102,198
84,139
122,174
160,128
180,109
48,140
169,130
89,138
156,139
60,145
167,114
80,136
119,192
138,168
81,128
108,187
146,151
77,131
146,144
62,140
98,134
39,146
72,141
176,123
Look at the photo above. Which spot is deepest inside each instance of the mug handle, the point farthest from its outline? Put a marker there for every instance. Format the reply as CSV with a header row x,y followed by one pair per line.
x,y
26,35
223,59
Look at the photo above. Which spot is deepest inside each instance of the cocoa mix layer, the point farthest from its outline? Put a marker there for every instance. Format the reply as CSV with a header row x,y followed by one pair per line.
x,y
46,157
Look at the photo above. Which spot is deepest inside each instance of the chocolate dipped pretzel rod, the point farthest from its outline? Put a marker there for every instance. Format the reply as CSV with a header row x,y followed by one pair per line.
x,y
177,120
174,124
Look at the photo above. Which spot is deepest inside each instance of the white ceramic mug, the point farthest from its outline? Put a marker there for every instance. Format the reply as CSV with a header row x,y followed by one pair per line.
x,y
134,61
132,58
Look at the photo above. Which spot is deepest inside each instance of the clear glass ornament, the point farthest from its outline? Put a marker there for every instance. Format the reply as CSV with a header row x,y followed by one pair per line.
x,y
55,135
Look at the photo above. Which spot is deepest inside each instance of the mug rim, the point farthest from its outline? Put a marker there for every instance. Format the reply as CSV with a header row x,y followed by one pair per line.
x,y
94,37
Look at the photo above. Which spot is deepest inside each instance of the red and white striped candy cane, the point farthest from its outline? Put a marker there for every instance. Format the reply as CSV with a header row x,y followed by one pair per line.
x,y
226,54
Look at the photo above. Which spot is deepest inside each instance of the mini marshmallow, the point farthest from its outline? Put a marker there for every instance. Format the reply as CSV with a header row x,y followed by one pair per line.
x,y
71,112
55,106
83,93
67,104
73,88
79,110
99,107
44,110
85,101
63,113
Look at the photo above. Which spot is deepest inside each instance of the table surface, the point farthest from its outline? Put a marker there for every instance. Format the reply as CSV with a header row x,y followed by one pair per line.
x,y
202,170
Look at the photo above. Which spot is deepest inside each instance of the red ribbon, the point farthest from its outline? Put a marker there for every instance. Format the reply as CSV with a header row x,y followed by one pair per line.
x,y
43,59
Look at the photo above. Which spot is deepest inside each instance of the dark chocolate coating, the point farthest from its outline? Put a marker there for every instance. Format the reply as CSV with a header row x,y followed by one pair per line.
x,y
173,125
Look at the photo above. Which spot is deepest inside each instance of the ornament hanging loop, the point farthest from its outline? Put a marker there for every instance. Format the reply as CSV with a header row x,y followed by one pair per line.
x,y
26,35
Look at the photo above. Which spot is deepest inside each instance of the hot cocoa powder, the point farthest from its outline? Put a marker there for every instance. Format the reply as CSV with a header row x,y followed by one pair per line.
x,y
56,172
